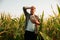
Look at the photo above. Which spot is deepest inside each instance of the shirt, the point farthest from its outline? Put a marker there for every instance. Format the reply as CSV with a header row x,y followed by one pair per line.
x,y
30,26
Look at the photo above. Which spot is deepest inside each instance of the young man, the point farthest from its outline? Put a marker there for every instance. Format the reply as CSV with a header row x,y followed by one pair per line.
x,y
31,23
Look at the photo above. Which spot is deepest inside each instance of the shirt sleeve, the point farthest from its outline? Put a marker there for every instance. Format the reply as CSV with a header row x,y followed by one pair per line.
x,y
25,11
37,18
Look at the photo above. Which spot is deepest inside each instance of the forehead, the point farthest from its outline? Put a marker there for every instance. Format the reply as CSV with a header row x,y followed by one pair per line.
x,y
33,9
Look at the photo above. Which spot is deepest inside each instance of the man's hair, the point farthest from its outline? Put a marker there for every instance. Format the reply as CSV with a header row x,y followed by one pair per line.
x,y
33,8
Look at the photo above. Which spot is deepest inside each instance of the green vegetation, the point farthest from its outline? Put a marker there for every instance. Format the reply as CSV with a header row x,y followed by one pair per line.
x,y
13,28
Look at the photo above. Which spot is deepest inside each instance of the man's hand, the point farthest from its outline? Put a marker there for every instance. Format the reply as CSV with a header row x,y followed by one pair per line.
x,y
37,22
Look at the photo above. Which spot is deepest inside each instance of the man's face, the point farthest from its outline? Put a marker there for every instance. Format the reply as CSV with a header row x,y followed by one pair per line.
x,y
32,10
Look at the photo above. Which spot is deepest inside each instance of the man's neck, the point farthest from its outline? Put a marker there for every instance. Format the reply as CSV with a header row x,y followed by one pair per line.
x,y
32,14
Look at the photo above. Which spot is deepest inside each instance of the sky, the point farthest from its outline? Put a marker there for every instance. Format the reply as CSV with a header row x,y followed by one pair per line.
x,y
14,7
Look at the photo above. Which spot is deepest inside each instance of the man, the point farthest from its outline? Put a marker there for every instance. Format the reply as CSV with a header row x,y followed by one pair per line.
x,y
30,24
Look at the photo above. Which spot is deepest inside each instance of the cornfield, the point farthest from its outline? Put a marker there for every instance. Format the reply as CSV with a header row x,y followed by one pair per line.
x,y
13,28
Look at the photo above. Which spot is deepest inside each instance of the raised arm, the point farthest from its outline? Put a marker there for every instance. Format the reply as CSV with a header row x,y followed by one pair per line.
x,y
25,10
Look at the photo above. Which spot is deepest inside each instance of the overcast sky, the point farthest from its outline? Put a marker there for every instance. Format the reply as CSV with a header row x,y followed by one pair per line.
x,y
14,7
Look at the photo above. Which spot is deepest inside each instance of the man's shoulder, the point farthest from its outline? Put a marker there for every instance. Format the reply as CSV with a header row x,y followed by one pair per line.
x,y
36,16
